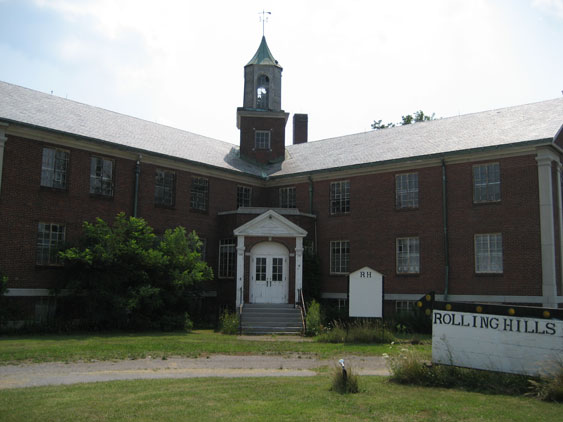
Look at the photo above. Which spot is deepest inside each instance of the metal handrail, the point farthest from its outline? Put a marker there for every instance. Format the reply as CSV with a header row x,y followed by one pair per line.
x,y
241,306
303,309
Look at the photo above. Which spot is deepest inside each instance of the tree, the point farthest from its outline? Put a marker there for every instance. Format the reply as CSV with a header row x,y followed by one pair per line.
x,y
418,116
124,276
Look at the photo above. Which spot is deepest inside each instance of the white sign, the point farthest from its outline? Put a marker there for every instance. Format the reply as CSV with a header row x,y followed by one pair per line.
x,y
527,346
366,293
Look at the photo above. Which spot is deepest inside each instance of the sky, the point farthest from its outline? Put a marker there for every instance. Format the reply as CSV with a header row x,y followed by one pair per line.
x,y
346,63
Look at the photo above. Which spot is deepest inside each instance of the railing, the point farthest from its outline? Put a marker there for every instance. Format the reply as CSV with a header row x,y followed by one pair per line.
x,y
241,306
302,308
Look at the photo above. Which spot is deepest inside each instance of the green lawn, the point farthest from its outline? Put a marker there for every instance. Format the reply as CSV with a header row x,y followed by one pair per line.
x,y
68,348
263,399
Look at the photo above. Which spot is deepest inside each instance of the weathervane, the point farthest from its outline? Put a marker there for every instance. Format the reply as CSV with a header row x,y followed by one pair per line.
x,y
264,18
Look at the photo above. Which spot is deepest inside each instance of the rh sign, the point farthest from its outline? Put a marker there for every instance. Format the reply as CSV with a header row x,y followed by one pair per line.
x,y
366,293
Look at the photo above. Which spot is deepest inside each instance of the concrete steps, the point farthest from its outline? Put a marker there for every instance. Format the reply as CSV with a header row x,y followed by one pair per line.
x,y
267,318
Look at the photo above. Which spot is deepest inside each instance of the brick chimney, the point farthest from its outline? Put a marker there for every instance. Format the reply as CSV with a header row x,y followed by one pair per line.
x,y
300,124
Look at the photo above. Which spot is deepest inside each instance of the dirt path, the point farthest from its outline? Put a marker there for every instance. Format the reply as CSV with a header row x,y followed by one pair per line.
x,y
54,373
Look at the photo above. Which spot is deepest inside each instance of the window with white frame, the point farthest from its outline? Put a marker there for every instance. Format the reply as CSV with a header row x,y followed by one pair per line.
x,y
199,194
262,139
340,197
339,256
165,188
226,258
488,253
277,269
287,197
408,255
244,196
261,269
50,239
486,183
404,306
101,176
406,190
54,167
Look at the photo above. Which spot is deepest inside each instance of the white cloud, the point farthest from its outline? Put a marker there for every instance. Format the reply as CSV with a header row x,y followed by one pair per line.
x,y
550,7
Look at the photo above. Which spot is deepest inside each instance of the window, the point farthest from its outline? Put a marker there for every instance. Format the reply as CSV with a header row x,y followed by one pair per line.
x,y
287,197
277,269
244,195
50,238
54,168
408,255
262,86
101,176
260,269
340,197
262,139
488,253
404,306
486,183
226,258
406,190
165,188
339,256
199,193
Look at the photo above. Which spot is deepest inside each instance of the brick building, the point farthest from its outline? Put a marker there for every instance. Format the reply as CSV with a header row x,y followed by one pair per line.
x,y
467,206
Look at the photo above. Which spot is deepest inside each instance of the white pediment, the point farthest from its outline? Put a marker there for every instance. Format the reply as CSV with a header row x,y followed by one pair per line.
x,y
270,224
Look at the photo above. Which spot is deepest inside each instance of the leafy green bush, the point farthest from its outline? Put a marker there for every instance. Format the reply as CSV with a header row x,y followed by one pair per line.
x,y
313,319
344,384
415,321
410,369
229,323
360,331
188,323
550,386
122,276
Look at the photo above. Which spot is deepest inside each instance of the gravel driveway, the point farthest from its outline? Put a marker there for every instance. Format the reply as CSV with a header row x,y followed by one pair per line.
x,y
37,374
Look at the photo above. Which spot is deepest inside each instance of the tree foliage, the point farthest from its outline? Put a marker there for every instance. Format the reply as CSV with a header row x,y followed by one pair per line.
x,y
124,276
416,117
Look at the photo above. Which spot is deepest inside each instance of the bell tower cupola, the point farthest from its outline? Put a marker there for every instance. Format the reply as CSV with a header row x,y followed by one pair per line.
x,y
261,120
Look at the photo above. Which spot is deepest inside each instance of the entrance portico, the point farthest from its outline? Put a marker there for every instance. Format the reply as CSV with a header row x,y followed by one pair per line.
x,y
269,260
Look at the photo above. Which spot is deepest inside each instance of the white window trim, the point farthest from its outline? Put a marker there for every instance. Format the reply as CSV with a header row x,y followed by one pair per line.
x,y
488,270
400,202
408,239
267,140
342,199
341,257
486,201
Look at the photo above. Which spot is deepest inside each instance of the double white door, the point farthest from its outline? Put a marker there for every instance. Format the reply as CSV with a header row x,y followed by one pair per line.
x,y
269,279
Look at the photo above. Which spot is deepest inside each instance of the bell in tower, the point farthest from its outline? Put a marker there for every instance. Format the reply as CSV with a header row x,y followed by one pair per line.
x,y
261,120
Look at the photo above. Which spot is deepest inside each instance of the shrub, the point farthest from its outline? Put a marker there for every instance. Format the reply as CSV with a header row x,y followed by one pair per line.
x,y
410,369
550,386
188,323
360,331
415,321
314,319
344,384
229,322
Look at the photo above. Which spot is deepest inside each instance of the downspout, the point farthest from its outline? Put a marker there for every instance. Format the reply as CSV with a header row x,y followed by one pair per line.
x,y
136,195
3,140
445,222
310,195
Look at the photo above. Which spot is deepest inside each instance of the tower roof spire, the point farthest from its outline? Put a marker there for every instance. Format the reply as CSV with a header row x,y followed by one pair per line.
x,y
263,55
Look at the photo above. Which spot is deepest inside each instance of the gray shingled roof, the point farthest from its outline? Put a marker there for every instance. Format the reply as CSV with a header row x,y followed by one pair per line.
x,y
489,129
41,110
497,128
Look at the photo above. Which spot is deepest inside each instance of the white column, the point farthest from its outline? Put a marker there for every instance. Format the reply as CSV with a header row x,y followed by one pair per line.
x,y
298,266
3,140
240,270
547,226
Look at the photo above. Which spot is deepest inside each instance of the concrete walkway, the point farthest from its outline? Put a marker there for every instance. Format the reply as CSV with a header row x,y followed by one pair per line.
x,y
55,373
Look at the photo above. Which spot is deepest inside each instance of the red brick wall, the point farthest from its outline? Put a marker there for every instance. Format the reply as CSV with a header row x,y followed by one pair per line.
x,y
248,126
